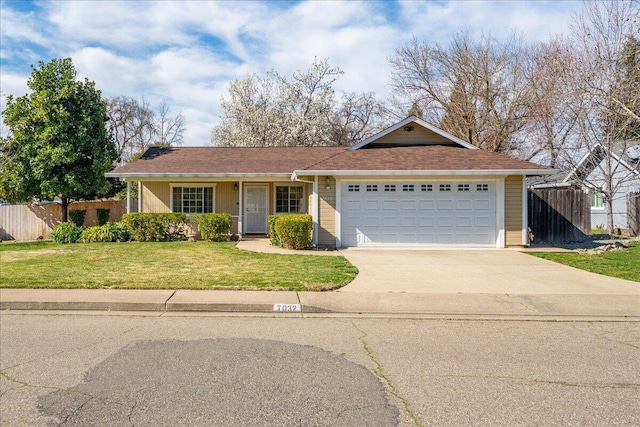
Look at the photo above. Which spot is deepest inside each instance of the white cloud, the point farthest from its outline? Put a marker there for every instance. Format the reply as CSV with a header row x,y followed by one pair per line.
x,y
187,52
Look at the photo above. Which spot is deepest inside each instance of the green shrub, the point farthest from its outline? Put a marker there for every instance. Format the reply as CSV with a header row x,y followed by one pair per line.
x,y
102,215
109,232
77,216
66,232
294,230
273,236
215,226
156,227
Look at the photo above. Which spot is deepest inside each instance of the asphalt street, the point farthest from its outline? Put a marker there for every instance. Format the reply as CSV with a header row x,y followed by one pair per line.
x,y
176,369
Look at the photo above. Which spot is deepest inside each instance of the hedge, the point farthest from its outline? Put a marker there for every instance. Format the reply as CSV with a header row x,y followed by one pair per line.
x,y
273,236
109,232
215,226
156,227
66,232
294,230
77,216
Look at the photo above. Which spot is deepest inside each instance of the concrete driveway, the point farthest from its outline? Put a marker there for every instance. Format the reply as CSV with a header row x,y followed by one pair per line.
x,y
482,271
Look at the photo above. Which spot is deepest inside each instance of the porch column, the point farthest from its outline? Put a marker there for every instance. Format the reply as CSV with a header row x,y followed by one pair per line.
x,y
128,196
240,209
139,196
315,210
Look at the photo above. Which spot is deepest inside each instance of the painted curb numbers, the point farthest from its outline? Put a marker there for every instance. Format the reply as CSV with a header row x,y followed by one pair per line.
x,y
287,307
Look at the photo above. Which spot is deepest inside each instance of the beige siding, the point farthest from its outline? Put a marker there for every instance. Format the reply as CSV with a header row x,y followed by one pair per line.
x,y
155,196
513,210
418,134
327,213
227,202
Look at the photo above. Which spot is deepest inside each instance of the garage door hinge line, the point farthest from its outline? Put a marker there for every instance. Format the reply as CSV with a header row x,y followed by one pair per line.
x,y
380,374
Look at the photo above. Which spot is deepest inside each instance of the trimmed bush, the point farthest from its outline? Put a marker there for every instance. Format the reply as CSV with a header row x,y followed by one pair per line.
x,y
215,226
156,227
77,216
294,230
66,232
109,232
103,215
273,236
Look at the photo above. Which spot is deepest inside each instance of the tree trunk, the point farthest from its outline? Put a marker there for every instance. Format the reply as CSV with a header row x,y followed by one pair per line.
x,y
608,204
65,208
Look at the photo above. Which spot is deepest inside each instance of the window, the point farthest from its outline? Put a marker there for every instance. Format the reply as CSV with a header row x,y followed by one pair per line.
x,y
407,187
372,187
445,187
193,199
353,187
463,187
482,187
595,199
426,187
389,187
288,199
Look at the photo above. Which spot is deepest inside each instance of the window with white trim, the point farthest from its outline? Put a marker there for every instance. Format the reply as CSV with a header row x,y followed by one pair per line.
x,y
353,187
426,187
463,187
289,199
390,187
482,187
596,200
192,199
407,187
445,187
372,187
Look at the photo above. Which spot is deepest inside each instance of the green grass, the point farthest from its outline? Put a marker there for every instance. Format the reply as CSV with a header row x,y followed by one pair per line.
x,y
176,265
621,264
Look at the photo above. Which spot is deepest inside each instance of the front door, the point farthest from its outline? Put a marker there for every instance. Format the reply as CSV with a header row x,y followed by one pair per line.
x,y
256,208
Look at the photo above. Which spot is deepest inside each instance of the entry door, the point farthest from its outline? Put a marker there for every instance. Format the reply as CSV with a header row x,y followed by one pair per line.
x,y
256,211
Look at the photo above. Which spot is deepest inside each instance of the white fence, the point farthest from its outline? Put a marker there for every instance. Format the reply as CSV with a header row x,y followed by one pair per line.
x,y
33,221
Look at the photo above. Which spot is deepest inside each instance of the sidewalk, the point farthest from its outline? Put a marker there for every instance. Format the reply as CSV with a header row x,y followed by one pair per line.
x,y
314,304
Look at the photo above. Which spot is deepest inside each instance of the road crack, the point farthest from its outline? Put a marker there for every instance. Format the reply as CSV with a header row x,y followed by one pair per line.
x,y
23,383
380,374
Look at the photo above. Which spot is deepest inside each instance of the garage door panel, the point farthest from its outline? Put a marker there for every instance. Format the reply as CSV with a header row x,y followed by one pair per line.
x,y
445,221
427,205
427,221
462,216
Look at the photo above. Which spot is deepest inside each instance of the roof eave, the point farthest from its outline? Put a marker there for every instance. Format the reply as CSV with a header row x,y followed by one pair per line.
x,y
460,172
137,176
413,119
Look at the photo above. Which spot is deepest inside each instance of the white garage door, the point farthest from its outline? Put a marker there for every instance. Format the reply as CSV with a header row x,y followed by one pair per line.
x,y
429,214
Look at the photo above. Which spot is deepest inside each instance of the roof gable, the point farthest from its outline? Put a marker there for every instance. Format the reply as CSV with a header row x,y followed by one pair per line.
x,y
412,131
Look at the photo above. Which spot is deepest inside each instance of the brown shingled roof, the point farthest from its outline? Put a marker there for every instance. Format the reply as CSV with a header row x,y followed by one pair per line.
x,y
285,160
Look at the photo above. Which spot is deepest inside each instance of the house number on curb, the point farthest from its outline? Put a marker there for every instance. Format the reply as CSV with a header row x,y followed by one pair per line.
x,y
287,307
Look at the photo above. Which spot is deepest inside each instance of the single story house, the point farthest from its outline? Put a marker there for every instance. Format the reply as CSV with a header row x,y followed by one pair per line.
x,y
411,185
622,164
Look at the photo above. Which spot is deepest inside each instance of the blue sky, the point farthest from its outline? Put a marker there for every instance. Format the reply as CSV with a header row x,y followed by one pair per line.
x,y
187,52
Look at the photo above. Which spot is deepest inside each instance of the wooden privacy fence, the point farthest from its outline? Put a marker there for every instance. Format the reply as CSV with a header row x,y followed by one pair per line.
x,y
559,215
32,221
633,211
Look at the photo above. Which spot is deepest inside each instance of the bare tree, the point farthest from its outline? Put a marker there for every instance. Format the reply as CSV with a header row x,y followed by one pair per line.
x,y
550,132
136,127
473,89
357,117
607,79
169,129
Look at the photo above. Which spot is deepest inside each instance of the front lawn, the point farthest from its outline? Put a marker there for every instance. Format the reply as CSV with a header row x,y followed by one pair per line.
x,y
175,265
621,264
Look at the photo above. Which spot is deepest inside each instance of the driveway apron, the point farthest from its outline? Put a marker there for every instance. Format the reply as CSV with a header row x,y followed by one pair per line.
x,y
470,271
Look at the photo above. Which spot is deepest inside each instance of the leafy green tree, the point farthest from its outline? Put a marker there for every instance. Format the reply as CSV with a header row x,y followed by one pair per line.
x,y
59,145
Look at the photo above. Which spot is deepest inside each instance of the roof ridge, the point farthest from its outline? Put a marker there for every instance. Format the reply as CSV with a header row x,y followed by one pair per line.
x,y
344,150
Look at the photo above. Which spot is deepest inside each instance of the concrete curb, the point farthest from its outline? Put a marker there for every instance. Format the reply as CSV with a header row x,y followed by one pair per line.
x,y
495,306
